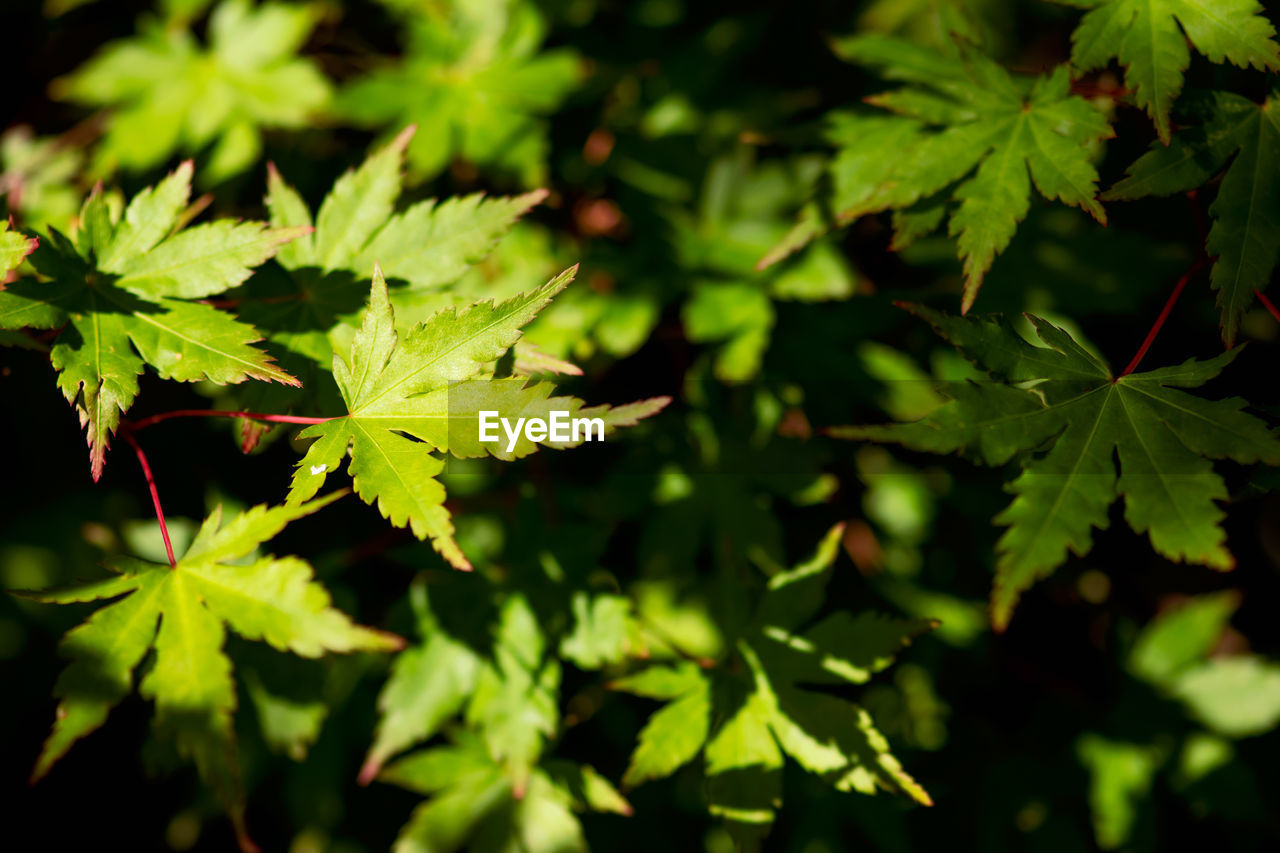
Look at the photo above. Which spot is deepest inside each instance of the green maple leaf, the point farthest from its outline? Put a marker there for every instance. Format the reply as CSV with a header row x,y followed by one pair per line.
x,y
743,722
486,677
123,288
428,384
738,219
1243,137
507,696
428,245
719,505
935,22
171,94
1149,37
604,630
473,73
967,140
499,674
1178,654
1066,431
579,323
470,796
1121,776
430,684
14,248
38,179
310,309
272,599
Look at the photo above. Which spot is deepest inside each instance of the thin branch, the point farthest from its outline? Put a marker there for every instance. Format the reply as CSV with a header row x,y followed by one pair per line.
x,y
1164,315
218,413
1268,304
155,495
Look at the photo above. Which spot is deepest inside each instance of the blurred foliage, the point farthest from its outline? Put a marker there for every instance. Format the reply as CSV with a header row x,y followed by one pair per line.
x,y
644,654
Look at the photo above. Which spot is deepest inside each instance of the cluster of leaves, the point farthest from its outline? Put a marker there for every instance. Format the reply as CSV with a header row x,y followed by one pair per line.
x,y
964,114
122,292
271,599
374,305
169,94
1061,397
121,289
743,722
969,130
475,75
1218,701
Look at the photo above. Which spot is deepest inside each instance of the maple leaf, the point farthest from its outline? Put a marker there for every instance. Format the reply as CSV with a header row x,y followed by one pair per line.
x,y
1144,35
967,123
508,696
38,177
426,246
744,722
470,795
938,21
582,321
472,73
1065,431
732,303
122,287
169,93
500,671
719,503
500,678
1243,137
272,599
425,386
14,248
1179,655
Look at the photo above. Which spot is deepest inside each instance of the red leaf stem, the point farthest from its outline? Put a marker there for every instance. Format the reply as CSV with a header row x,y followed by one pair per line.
x,y
155,495
1164,315
1268,304
218,413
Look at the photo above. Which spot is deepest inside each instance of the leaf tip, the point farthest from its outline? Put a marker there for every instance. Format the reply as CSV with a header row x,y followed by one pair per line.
x,y
243,841
772,256
1000,614
401,142
41,769
251,433
368,771
97,458
282,376
390,642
